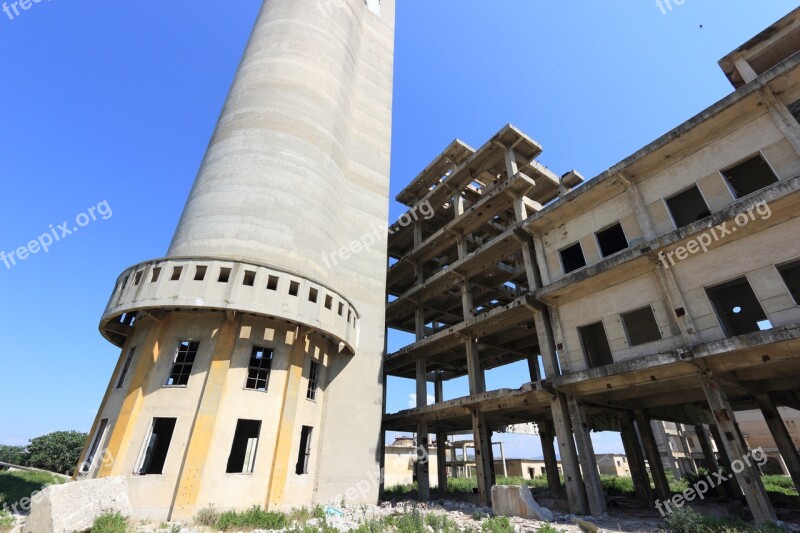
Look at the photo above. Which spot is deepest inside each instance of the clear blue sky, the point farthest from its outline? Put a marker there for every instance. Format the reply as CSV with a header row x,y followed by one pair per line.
x,y
116,102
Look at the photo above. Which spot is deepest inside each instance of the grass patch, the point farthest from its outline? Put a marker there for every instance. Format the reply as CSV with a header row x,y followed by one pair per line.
x,y
6,521
111,523
687,520
253,518
14,486
497,524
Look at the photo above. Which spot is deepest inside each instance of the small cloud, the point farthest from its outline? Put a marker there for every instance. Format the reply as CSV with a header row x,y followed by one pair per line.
x,y
412,400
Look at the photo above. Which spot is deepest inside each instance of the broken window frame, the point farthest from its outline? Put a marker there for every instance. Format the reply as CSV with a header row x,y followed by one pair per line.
x,y
125,368
590,363
260,372
561,257
626,329
304,451
313,380
152,440
248,455
666,200
753,155
792,263
606,229
183,368
723,322
97,441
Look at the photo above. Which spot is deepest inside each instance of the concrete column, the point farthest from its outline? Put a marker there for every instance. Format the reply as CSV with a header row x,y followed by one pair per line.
x,y
781,435
732,488
541,261
547,433
588,461
576,493
679,313
746,471
633,451
710,459
484,462
745,70
503,460
639,208
423,478
653,456
423,470
441,442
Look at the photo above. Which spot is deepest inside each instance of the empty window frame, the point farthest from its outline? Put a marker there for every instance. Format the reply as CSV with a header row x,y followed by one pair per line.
x,y
156,274
790,272
249,278
595,345
154,454
611,240
224,275
572,258
259,369
312,295
176,273
687,207
737,307
182,365
313,380
272,283
749,176
242,458
641,326
304,453
294,287
86,466
125,367
200,273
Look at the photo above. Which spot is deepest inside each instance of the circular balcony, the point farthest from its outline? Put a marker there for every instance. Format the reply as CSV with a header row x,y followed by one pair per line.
x,y
195,283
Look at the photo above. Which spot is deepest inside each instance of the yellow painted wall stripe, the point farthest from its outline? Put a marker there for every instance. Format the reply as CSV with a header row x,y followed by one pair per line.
x,y
281,459
119,443
111,386
199,443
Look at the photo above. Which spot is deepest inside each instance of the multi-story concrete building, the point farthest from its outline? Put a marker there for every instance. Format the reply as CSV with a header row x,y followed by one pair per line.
x,y
666,288
244,352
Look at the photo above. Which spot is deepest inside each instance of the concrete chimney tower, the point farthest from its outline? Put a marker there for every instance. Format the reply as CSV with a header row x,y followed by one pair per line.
x,y
250,370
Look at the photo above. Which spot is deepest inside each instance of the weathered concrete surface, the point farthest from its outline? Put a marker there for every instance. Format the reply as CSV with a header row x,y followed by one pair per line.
x,y
74,506
517,500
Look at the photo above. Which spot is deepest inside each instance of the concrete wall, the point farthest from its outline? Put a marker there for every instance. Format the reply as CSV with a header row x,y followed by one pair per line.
x,y
753,255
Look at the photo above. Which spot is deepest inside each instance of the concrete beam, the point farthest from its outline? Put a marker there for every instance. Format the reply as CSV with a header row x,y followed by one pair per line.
x,y
742,464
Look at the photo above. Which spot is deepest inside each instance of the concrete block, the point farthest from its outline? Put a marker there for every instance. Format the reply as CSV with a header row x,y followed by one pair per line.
x,y
517,500
74,506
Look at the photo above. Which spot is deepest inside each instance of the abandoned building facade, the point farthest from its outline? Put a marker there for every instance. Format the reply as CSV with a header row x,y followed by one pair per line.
x,y
242,354
666,288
